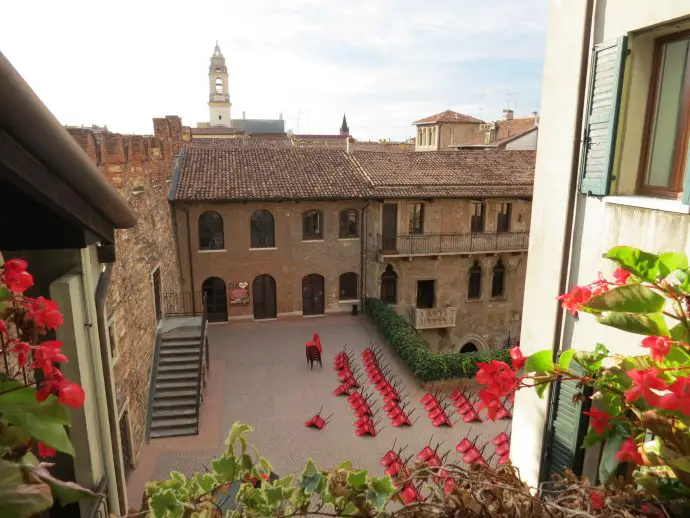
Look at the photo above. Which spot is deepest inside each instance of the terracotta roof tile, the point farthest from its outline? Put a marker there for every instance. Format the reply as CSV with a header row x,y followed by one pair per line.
x,y
448,116
226,174
507,130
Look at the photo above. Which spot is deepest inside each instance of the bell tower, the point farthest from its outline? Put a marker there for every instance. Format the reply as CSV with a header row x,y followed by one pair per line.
x,y
219,96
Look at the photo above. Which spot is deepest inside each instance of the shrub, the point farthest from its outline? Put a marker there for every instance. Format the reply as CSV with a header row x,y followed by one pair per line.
x,y
412,349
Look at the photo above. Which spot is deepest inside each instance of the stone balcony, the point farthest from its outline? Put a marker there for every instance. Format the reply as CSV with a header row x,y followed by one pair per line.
x,y
433,318
405,245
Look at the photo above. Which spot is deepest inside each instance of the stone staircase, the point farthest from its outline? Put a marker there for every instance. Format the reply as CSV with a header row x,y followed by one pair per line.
x,y
177,383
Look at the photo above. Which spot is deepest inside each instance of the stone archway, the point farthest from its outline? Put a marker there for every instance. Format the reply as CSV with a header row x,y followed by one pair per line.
x,y
476,340
469,347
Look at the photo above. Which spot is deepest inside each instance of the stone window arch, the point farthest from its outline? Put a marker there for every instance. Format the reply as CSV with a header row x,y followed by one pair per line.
x,y
498,278
389,285
474,282
312,225
211,231
219,85
262,229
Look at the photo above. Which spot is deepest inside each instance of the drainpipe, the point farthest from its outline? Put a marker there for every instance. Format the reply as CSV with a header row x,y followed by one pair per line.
x,y
189,255
363,257
566,252
102,289
101,394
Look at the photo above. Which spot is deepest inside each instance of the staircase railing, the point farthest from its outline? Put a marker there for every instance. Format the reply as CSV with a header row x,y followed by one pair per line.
x,y
152,384
203,363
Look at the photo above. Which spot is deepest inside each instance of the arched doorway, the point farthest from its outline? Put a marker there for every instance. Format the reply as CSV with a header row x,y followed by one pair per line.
x,y
216,296
264,293
469,347
312,294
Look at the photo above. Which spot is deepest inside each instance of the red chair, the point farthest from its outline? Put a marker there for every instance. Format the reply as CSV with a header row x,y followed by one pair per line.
x,y
500,439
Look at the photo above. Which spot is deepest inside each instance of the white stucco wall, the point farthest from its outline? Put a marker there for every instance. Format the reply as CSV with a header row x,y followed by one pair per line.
x,y
528,141
599,223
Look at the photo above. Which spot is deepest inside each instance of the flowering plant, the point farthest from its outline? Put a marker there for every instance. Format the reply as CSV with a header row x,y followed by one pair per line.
x,y
34,399
634,397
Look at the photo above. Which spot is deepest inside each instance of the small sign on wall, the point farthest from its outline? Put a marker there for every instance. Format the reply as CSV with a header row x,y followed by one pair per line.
x,y
239,293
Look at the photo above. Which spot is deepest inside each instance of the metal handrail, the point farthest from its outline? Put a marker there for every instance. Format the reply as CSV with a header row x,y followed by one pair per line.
x,y
420,244
203,355
100,502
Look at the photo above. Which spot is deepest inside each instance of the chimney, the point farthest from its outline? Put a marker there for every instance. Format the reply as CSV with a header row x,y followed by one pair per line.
x,y
507,114
490,133
347,145
535,115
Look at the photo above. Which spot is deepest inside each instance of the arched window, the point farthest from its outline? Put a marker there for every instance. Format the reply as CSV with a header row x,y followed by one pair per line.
x,y
219,85
349,223
389,285
262,231
211,231
498,279
474,285
469,347
348,286
312,225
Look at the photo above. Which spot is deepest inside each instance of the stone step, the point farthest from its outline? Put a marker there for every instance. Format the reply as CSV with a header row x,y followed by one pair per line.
x,y
179,342
174,403
173,432
174,422
188,359
178,375
165,352
167,394
179,368
182,384
173,412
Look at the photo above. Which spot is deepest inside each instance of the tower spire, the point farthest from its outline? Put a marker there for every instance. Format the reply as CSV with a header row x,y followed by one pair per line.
x,y
219,96
344,130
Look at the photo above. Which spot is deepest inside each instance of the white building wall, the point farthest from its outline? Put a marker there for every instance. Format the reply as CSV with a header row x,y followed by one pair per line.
x,y
528,141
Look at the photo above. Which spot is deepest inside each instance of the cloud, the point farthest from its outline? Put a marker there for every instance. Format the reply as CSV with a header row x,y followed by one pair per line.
x,y
385,63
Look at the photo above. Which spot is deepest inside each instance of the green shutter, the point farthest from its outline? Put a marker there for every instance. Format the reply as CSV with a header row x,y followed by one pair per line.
x,y
686,178
567,429
601,120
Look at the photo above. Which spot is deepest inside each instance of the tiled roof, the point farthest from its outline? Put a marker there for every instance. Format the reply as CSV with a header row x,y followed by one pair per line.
x,y
217,174
216,130
448,116
489,173
508,130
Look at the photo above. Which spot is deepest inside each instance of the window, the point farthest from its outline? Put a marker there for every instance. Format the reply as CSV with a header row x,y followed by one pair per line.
x,y
477,218
425,294
211,231
498,279
220,117
348,286
349,223
219,85
474,285
125,441
389,285
112,338
262,231
667,128
312,225
469,347
417,218
503,217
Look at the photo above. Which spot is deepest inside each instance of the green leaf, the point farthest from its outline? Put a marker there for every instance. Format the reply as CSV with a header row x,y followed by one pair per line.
x,y
64,491
672,261
226,469
591,361
633,298
20,500
592,438
357,479
238,432
677,356
23,400
541,389
12,437
310,469
680,332
639,263
346,466
652,324
565,358
382,489
247,462
274,495
164,504
541,361
609,463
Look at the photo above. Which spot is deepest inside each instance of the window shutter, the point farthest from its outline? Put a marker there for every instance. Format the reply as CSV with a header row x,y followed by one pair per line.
x,y
686,178
601,119
567,428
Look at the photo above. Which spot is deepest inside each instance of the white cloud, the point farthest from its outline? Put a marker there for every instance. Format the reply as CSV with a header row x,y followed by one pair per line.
x,y
384,62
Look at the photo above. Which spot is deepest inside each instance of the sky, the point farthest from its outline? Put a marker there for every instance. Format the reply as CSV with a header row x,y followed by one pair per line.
x,y
384,63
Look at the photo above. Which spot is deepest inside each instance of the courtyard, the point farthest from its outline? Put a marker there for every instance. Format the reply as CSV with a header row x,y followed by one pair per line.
x,y
259,376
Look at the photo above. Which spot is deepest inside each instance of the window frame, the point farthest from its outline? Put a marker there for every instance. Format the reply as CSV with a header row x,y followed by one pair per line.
x,y
475,268
416,226
482,216
499,267
353,278
312,236
255,233
343,224
221,231
389,275
426,282
680,148
508,216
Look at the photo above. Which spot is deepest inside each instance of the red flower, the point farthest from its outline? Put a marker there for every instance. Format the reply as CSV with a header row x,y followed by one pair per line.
x,y
516,357
621,275
15,276
498,377
21,349
600,286
51,385
599,420
574,300
629,453
45,313
659,345
643,383
679,397
490,401
597,499
47,353
46,451
264,476
3,327
15,265
72,395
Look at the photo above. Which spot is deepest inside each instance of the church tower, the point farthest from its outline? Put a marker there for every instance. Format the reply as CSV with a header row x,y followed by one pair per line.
x,y
219,97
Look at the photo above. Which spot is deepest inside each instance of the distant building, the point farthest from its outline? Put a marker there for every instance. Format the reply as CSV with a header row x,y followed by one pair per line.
x,y
508,133
441,131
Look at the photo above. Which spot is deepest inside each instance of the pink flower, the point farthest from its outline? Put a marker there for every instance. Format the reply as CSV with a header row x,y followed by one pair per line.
x,y
679,397
599,420
629,453
15,276
574,300
45,313
72,395
516,357
621,275
600,286
643,383
498,377
21,349
490,401
659,345
597,499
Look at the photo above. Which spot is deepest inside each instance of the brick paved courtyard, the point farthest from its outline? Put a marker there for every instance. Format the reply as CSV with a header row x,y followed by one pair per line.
x,y
259,376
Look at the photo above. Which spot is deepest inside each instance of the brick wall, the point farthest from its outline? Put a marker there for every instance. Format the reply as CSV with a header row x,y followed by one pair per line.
x,y
140,167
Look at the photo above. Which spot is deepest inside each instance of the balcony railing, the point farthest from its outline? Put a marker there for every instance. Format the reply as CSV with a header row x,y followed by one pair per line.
x,y
433,318
448,244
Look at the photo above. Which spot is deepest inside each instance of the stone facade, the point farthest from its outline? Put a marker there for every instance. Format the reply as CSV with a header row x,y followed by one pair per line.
x,y
140,167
